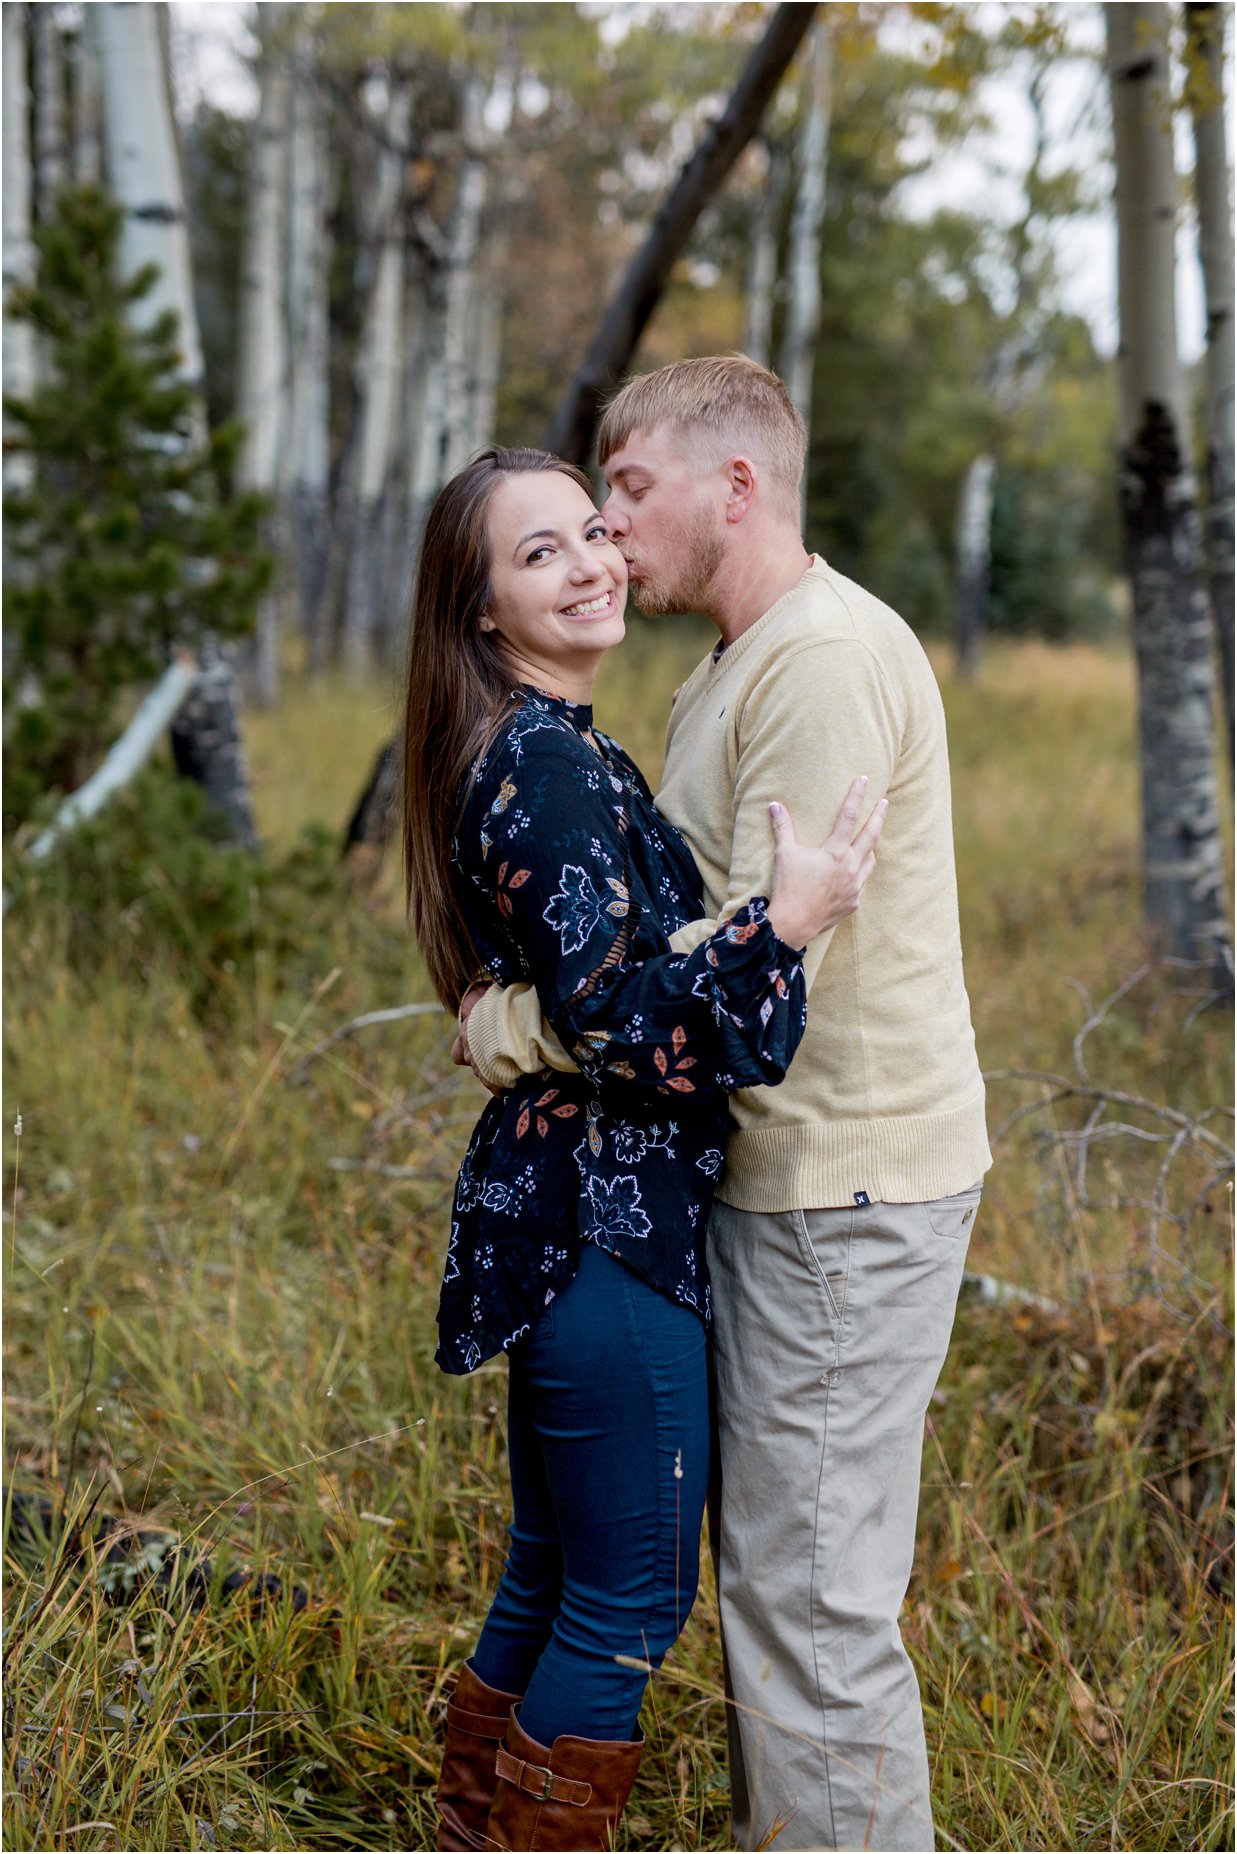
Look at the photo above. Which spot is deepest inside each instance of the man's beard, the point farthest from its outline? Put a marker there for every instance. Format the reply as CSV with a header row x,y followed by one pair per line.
x,y
684,587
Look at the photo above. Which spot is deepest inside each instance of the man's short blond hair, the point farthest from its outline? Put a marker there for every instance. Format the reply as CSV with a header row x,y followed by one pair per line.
x,y
727,400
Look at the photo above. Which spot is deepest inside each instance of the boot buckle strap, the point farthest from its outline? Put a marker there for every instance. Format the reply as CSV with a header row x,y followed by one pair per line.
x,y
539,1781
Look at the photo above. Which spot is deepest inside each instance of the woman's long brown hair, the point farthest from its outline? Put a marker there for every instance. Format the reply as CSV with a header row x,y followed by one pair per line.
x,y
459,693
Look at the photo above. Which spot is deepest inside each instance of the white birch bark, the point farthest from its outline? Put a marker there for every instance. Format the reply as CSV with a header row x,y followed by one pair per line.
x,y
308,446
1184,887
461,280
1215,248
762,261
124,758
20,358
973,553
50,152
803,261
143,169
261,398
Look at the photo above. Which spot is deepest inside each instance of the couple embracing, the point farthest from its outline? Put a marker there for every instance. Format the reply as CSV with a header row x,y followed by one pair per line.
x,y
717,1209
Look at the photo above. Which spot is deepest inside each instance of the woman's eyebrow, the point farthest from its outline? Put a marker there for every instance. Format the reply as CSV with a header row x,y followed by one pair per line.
x,y
551,534
538,534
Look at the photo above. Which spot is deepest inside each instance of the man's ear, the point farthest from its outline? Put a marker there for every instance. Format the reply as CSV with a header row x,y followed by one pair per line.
x,y
742,479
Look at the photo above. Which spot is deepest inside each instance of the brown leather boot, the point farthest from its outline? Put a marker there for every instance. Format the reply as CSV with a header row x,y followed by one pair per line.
x,y
569,1797
477,1718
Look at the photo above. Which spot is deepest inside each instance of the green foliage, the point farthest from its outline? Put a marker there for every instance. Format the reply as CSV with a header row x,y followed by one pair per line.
x,y
122,544
153,884
1039,583
915,318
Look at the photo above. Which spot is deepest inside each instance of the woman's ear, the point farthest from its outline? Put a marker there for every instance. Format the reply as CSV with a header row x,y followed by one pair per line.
x,y
485,622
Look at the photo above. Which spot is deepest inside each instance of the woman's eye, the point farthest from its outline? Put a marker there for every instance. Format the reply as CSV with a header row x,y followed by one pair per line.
x,y
536,554
597,532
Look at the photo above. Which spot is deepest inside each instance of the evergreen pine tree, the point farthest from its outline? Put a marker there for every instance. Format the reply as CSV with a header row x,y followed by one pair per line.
x,y
125,542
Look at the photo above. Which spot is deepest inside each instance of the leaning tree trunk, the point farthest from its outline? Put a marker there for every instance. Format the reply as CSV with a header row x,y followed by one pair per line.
x,y
261,400
973,547
803,265
20,358
144,174
1215,241
307,486
640,290
1183,869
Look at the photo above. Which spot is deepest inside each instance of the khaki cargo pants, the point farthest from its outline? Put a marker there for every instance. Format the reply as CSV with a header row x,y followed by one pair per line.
x,y
830,1329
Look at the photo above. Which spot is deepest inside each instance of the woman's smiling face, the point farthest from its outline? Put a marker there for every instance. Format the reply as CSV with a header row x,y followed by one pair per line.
x,y
558,583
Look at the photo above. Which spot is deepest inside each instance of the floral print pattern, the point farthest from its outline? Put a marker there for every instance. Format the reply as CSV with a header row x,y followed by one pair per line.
x,y
568,878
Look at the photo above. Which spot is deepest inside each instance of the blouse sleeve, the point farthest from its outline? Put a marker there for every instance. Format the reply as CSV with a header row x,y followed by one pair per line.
x,y
550,856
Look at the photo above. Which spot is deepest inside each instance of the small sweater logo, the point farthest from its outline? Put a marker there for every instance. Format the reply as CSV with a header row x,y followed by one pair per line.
x,y
862,1199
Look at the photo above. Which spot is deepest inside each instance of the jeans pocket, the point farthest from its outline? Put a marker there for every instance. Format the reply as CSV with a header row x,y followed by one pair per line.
x,y
952,1217
543,1325
824,1239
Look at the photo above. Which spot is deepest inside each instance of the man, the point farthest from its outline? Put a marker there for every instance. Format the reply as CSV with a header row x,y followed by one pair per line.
x,y
848,1195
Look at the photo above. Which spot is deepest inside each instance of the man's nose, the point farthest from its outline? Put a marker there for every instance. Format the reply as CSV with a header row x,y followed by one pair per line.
x,y
617,521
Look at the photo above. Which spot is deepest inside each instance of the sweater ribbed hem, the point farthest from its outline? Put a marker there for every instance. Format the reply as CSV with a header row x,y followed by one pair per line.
x,y
824,1164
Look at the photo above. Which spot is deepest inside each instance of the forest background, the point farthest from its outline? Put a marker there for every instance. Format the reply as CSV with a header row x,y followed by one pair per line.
x,y
250,1531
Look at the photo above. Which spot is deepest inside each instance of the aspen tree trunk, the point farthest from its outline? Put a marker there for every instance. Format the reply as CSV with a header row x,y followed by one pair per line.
x,y
1215,242
417,461
20,357
51,168
973,546
87,103
144,174
308,448
379,382
429,433
1183,871
461,279
143,168
762,263
86,116
803,262
484,338
261,398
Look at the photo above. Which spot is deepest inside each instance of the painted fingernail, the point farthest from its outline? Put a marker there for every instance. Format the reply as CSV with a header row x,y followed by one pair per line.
x,y
774,809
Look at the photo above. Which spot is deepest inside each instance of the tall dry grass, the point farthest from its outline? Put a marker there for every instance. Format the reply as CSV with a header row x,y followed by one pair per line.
x,y
222,1252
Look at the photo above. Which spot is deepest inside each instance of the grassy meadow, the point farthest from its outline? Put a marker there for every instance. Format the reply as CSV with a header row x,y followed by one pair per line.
x,y
223,1229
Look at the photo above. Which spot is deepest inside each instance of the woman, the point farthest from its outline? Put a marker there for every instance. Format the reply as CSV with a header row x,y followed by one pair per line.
x,y
534,852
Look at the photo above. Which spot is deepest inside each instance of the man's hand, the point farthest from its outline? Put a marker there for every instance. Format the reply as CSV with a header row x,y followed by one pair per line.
x,y
461,1055
815,889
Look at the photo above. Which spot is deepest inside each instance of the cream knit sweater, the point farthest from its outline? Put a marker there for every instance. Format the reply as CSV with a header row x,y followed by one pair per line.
x,y
884,1097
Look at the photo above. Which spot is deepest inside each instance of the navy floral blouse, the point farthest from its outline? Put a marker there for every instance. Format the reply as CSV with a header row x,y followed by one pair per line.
x,y
569,879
